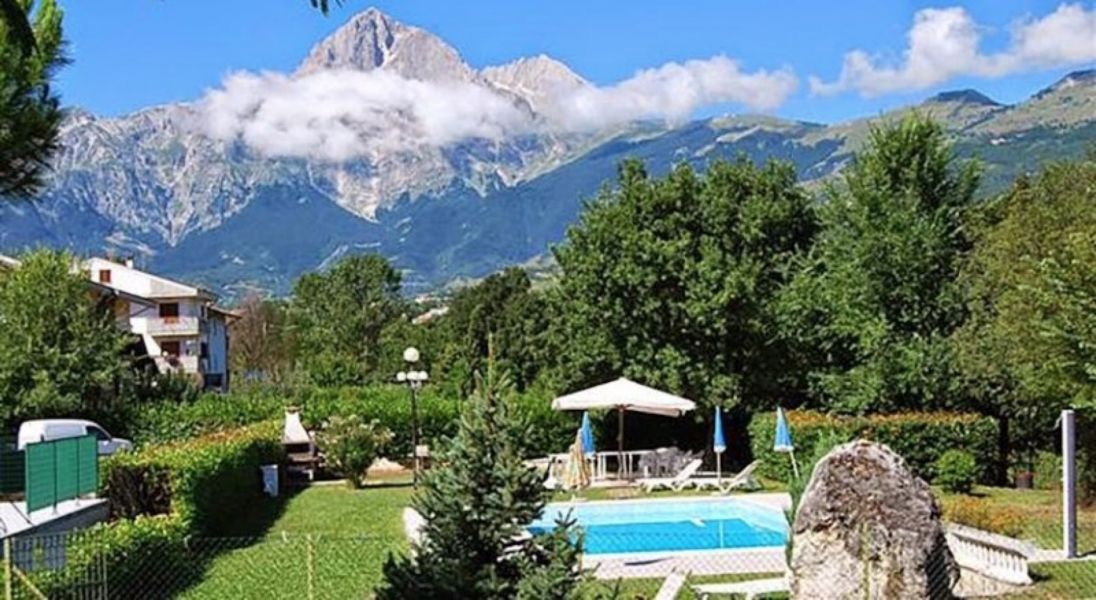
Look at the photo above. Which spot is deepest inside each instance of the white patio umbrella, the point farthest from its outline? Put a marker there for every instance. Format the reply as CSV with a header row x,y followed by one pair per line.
x,y
621,395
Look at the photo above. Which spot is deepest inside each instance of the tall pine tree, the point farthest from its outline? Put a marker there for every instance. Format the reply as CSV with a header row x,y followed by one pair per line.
x,y
31,52
477,504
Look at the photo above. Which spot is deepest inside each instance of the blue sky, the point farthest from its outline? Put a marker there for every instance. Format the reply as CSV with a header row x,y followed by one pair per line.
x,y
128,54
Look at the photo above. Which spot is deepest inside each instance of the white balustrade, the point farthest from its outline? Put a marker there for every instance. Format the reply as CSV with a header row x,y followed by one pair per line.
x,y
995,556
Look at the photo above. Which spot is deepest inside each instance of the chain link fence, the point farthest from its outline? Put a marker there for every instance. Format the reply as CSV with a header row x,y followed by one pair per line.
x,y
310,567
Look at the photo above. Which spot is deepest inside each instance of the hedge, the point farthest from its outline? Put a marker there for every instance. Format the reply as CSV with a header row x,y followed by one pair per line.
x,y
206,483
919,437
164,422
390,405
130,556
161,496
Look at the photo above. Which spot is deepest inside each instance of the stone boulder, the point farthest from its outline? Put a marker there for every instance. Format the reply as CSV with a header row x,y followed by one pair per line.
x,y
866,527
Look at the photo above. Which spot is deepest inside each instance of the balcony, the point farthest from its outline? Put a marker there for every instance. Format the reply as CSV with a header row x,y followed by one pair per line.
x,y
177,364
174,326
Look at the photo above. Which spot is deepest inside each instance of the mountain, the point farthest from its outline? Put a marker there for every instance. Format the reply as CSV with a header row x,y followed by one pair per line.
x,y
221,213
372,40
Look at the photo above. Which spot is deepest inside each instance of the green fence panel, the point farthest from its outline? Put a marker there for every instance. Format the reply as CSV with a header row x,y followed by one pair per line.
x,y
40,476
66,469
11,467
60,470
88,472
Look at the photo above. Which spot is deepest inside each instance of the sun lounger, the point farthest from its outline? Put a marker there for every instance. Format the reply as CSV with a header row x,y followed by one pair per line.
x,y
671,586
744,479
650,484
747,589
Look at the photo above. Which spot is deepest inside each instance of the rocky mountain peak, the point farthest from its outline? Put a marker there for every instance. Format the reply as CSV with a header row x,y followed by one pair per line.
x,y
966,96
535,79
1086,77
373,40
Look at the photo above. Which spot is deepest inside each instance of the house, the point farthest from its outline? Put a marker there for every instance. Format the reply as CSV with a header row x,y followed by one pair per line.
x,y
183,329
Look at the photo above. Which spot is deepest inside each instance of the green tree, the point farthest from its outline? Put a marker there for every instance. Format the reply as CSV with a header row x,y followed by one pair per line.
x,y
61,351
477,505
876,300
338,317
672,281
31,45
1029,347
499,315
30,112
262,347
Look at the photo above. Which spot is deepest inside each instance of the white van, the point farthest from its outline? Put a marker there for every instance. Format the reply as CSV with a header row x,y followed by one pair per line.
x,y
45,430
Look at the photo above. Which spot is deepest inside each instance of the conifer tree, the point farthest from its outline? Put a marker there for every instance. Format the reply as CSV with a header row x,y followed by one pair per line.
x,y
477,505
31,52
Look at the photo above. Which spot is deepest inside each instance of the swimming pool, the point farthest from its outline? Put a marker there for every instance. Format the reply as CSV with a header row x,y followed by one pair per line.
x,y
628,526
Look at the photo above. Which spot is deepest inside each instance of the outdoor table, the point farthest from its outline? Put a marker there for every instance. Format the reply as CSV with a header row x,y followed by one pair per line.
x,y
626,463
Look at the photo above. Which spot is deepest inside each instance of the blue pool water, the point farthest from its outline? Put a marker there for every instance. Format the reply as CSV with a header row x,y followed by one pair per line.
x,y
655,525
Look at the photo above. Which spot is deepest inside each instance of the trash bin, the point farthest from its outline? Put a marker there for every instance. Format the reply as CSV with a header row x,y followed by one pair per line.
x,y
270,480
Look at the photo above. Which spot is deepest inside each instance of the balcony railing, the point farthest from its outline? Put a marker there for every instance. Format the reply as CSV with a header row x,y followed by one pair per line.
x,y
178,364
174,326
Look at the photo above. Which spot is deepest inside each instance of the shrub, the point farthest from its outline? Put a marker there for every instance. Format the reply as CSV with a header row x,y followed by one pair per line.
x,y
133,552
390,405
1048,471
350,446
956,471
920,438
980,514
1086,451
206,482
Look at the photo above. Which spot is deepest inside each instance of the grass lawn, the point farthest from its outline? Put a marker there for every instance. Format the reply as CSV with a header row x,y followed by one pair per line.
x,y
1056,581
341,536
1041,511
644,589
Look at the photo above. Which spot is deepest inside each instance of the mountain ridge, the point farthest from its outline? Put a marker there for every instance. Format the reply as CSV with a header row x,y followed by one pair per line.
x,y
220,213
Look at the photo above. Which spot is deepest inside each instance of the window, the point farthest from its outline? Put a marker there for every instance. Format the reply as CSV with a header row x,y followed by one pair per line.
x,y
99,434
170,348
104,275
63,430
204,350
169,310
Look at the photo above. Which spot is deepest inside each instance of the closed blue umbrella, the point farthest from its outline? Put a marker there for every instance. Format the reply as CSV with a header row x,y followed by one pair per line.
x,y
783,433
719,444
783,441
587,433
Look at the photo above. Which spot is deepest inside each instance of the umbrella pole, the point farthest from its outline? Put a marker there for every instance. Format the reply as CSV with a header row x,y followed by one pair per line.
x,y
620,442
795,468
719,468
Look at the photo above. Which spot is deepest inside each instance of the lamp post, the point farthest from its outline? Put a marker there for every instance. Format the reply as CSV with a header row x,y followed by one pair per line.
x,y
414,380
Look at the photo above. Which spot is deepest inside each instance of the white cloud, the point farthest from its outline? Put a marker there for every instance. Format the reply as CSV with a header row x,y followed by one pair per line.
x,y
672,92
339,115
944,43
